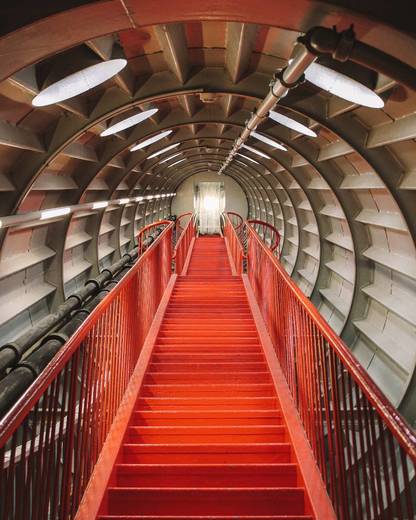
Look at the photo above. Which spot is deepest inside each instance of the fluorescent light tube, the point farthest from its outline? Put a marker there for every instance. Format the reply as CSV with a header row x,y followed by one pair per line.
x,y
151,140
127,123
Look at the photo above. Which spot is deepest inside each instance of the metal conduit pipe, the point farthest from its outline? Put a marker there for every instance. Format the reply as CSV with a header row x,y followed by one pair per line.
x,y
342,46
289,78
22,376
12,352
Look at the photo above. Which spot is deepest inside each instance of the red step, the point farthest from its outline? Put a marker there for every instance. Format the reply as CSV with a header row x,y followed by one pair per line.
x,y
207,438
206,475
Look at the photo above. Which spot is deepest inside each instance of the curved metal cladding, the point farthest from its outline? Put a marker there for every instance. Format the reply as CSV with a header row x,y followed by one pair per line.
x,y
344,202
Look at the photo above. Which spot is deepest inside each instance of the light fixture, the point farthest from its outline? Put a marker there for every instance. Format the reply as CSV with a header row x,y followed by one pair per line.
x,y
177,162
254,150
56,212
151,140
170,157
100,204
79,82
342,86
130,121
241,162
248,158
139,199
291,123
163,150
123,201
268,141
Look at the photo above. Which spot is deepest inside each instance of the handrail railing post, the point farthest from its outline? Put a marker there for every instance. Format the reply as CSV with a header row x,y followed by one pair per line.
x,y
183,243
364,449
52,437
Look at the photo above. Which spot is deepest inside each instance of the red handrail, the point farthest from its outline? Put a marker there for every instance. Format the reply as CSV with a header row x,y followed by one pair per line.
x,y
52,437
180,226
146,231
234,243
183,243
274,234
365,450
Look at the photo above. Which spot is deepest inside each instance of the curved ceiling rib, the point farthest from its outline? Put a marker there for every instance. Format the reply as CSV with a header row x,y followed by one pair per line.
x,y
343,201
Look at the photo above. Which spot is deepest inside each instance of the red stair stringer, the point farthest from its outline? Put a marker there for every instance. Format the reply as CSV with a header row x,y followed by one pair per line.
x,y
312,481
104,468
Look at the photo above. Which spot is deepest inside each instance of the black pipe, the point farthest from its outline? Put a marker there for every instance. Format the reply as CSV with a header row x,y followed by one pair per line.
x,y
25,372
11,353
343,46
23,375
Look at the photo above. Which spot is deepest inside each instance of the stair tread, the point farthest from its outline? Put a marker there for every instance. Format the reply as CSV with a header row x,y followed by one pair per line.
x,y
207,438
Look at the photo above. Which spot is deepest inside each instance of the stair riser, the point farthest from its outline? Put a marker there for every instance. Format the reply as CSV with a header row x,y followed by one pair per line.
x,y
172,390
221,377
214,502
196,476
207,403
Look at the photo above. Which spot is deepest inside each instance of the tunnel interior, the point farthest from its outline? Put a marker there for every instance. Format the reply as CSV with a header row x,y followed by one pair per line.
x,y
343,201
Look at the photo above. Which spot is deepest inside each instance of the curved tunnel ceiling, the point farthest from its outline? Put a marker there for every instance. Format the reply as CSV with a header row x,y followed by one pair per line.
x,y
344,201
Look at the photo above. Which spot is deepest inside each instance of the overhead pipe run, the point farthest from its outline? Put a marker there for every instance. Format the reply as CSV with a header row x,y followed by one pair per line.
x,y
290,77
342,46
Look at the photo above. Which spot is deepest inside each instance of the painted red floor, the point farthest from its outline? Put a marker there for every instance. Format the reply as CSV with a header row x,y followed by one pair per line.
x,y
207,439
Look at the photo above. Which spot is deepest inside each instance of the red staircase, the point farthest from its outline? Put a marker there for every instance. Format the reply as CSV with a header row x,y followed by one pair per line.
x,y
207,438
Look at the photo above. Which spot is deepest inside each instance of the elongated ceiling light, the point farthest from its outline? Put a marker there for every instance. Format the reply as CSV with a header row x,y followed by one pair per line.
x,y
342,86
291,123
254,150
175,163
170,157
79,82
248,158
151,140
163,150
130,121
100,204
56,212
268,141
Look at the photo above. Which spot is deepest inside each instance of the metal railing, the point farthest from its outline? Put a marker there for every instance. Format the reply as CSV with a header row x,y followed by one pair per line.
x,y
233,233
365,451
51,439
235,230
183,242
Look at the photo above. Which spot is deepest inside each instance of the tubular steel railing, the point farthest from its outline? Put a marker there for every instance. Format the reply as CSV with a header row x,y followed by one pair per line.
x,y
236,233
145,236
180,224
51,439
365,450
232,233
183,243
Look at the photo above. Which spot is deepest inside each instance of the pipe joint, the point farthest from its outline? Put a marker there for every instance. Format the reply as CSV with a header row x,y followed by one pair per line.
x,y
58,336
279,76
321,40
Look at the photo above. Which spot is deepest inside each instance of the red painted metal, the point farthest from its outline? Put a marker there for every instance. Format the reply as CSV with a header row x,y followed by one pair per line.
x,y
365,450
267,233
185,235
233,227
207,438
52,438
235,231
146,231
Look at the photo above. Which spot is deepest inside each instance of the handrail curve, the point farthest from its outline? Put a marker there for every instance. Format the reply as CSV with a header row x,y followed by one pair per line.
x,y
364,448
